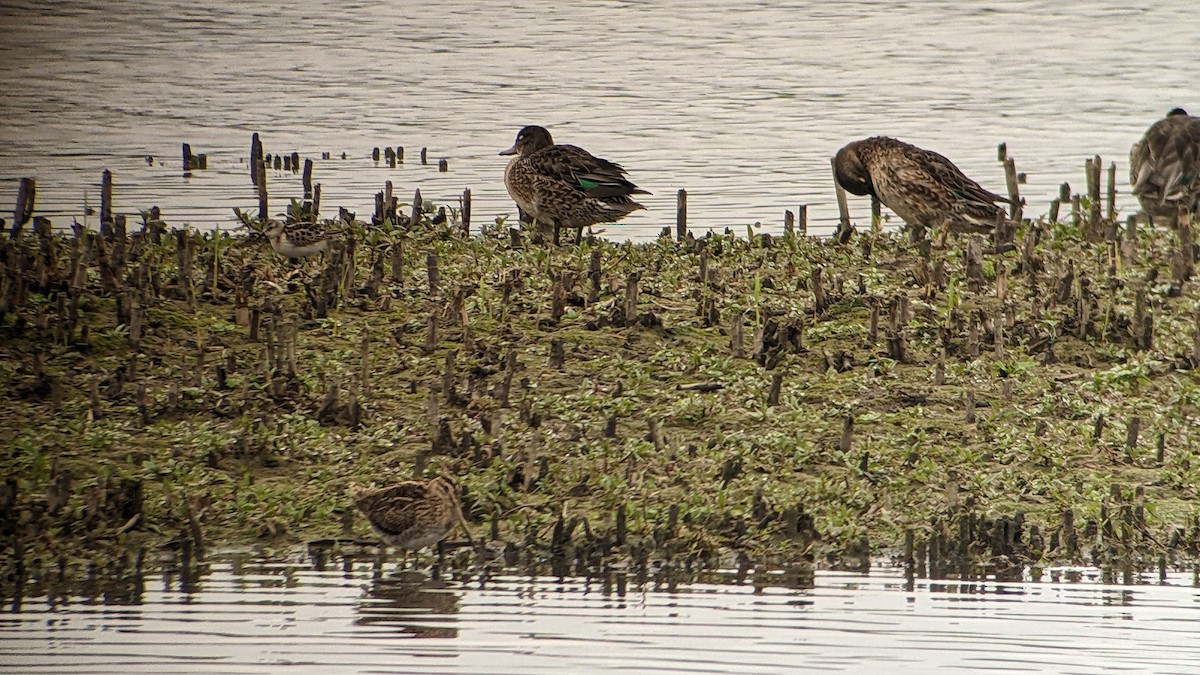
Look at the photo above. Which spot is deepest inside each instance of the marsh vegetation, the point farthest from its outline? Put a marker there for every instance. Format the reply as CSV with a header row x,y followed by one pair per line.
x,y
981,408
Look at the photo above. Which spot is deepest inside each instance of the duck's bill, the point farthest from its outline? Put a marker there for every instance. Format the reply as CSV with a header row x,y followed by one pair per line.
x,y
510,151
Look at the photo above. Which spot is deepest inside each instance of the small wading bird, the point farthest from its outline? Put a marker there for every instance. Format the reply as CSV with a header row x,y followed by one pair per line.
x,y
413,514
922,187
298,239
1164,167
564,185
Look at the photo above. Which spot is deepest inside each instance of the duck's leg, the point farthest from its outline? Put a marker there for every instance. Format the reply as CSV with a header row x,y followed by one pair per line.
x,y
557,230
843,232
916,232
943,234
578,235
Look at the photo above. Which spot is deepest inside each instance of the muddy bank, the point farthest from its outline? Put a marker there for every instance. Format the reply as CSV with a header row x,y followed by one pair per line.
x,y
982,407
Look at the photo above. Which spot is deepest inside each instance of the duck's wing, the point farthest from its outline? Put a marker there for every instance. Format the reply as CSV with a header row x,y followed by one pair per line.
x,y
1138,154
583,171
1188,151
945,173
394,508
1168,157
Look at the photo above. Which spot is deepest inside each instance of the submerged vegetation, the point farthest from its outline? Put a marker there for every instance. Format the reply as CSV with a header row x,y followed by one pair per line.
x,y
987,405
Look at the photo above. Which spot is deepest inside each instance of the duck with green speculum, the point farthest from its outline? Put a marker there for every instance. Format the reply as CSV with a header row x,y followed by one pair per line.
x,y
924,188
565,185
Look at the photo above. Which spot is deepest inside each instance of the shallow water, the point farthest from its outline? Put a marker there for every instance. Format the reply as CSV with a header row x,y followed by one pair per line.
x,y
742,104
251,615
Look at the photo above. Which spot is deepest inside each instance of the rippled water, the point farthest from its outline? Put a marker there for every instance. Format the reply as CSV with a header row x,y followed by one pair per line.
x,y
741,103
267,616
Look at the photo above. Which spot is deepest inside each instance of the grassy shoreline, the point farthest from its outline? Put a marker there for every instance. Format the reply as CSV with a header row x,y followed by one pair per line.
x,y
872,411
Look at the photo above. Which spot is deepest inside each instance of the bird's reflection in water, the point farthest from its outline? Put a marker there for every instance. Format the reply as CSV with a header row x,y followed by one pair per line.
x,y
413,603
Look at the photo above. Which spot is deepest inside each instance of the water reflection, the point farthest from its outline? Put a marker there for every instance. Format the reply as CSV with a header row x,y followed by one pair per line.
x,y
351,611
412,603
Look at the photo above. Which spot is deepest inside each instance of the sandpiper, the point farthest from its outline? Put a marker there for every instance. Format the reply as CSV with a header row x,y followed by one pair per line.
x,y
298,239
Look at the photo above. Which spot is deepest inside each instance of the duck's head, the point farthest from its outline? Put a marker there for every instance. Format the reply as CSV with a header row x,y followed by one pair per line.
x,y
851,172
529,140
1177,111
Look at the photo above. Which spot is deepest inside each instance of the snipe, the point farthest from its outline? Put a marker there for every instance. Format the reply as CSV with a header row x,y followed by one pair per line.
x,y
413,514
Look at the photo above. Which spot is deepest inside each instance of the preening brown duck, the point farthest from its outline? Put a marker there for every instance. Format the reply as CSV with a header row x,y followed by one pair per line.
x,y
923,187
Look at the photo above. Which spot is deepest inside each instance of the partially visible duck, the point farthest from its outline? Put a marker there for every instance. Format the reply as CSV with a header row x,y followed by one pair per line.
x,y
565,185
921,186
1164,167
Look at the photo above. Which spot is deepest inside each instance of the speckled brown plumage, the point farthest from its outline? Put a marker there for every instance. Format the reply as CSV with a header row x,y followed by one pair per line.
x,y
297,240
921,186
413,514
565,185
1164,166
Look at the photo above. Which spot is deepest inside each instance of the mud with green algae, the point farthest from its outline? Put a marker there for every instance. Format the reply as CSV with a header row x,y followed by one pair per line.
x,y
236,402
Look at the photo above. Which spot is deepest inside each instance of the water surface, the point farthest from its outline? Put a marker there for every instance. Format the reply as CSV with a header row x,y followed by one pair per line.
x,y
742,104
253,615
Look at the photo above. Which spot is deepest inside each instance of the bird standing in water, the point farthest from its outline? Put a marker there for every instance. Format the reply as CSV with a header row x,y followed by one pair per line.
x,y
924,188
1164,167
413,514
564,185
